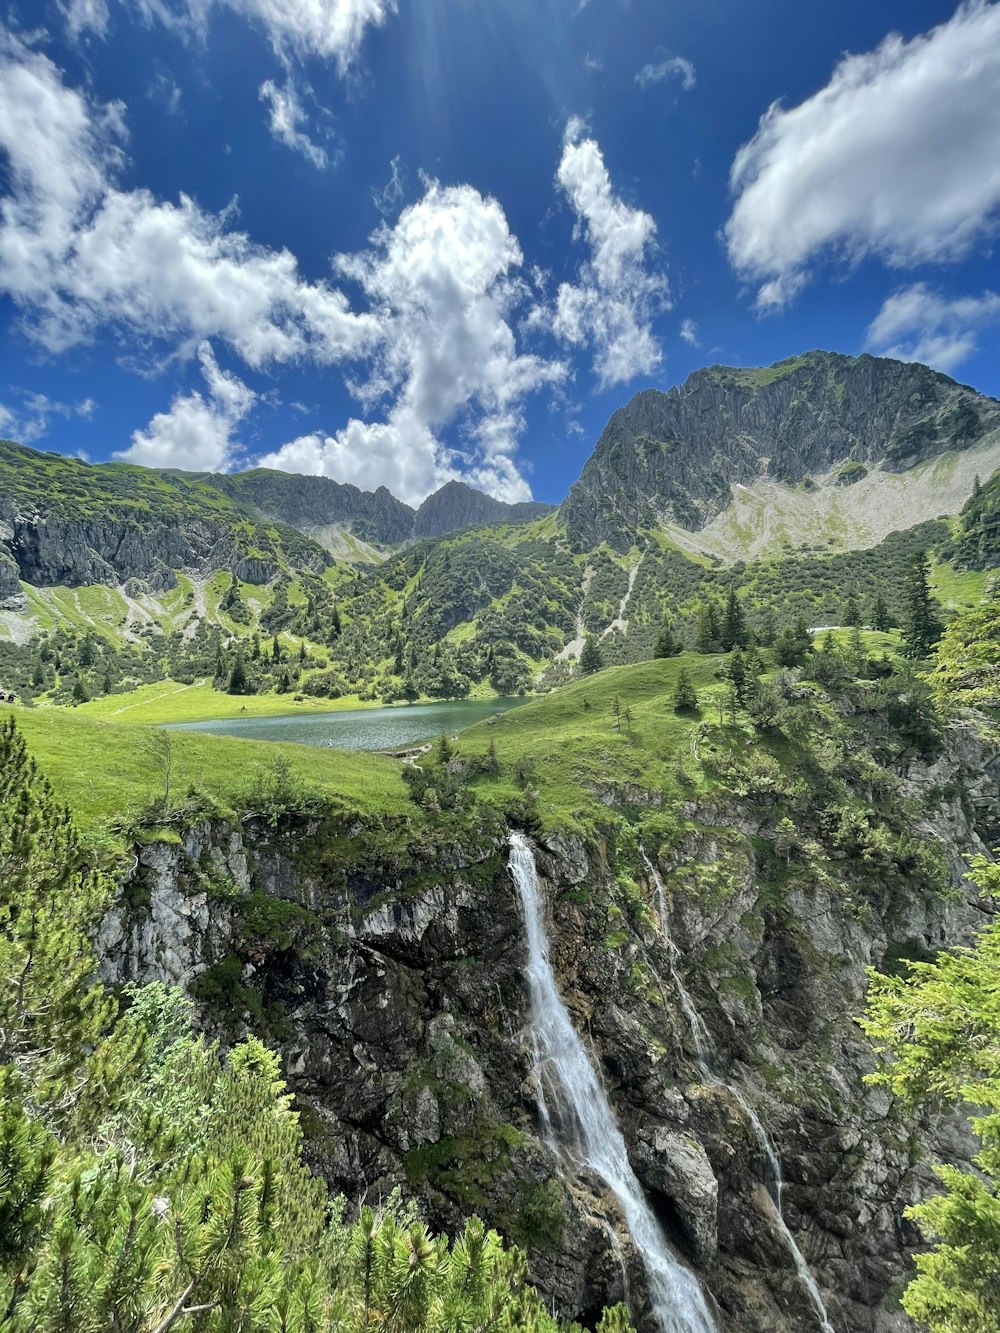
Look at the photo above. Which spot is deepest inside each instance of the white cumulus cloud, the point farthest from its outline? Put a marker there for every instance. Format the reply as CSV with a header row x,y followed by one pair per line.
x,y
919,324
197,432
657,71
689,332
286,119
896,157
428,347
78,253
618,290
442,287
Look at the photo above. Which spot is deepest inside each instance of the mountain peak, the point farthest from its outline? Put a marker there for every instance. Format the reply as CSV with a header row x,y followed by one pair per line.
x,y
673,459
457,505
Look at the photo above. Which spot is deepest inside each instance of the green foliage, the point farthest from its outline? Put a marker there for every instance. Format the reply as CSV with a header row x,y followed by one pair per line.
x,y
976,544
921,626
668,644
967,661
51,902
938,1031
591,659
685,694
149,1183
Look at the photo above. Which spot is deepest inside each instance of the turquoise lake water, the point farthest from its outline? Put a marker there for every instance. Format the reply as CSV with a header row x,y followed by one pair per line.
x,y
360,728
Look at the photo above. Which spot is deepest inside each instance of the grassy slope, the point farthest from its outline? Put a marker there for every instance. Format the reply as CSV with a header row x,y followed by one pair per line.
x,y
101,769
568,742
169,701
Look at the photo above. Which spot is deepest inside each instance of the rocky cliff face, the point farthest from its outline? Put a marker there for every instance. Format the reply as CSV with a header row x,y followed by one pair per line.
x,y
316,504
67,522
395,989
674,457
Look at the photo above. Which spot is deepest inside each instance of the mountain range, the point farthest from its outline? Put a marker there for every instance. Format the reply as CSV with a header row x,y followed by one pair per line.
x,y
821,453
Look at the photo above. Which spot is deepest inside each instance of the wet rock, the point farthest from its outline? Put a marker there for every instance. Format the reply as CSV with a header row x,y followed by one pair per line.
x,y
675,1168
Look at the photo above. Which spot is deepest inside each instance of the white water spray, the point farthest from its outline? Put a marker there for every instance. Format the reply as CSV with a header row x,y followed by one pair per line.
x,y
577,1116
703,1049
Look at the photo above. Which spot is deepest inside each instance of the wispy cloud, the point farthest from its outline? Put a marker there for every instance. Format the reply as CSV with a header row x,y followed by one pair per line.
x,y
29,418
668,67
286,119
919,324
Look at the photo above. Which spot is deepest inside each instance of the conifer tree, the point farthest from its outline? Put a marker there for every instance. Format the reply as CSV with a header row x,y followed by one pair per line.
x,y
591,659
667,642
851,615
685,694
734,624
785,839
736,672
238,676
708,633
921,627
938,1031
881,617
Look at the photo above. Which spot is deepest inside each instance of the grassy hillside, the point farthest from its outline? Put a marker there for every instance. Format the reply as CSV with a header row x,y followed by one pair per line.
x,y
105,769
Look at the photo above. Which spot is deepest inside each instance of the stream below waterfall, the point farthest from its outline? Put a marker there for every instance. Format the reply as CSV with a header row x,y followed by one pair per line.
x,y
577,1118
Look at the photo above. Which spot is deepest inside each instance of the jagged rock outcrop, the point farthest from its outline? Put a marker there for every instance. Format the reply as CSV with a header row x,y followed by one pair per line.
x,y
395,990
63,521
674,457
11,596
317,505
456,506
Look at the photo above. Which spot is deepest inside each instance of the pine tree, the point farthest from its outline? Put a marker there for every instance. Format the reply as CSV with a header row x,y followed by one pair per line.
x,y
335,620
685,694
734,624
667,643
591,659
938,1032
237,676
707,633
851,614
785,839
921,627
276,650
736,672
881,617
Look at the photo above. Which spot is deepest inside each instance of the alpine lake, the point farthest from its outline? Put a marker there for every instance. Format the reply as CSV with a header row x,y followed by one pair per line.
x,y
395,728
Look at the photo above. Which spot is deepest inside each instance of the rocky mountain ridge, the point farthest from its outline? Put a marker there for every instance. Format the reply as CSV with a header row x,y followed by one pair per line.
x,y
65,522
674,458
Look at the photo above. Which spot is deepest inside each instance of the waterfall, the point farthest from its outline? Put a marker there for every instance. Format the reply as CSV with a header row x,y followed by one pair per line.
x,y
577,1116
703,1049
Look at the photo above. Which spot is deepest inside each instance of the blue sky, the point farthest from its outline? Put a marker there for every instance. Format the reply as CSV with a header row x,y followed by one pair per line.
x,y
402,242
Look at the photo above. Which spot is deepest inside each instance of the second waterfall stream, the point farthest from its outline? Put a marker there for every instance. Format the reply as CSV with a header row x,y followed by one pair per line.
x,y
576,1116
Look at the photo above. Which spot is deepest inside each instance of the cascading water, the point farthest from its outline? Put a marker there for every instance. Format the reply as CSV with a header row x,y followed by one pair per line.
x,y
577,1116
703,1049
